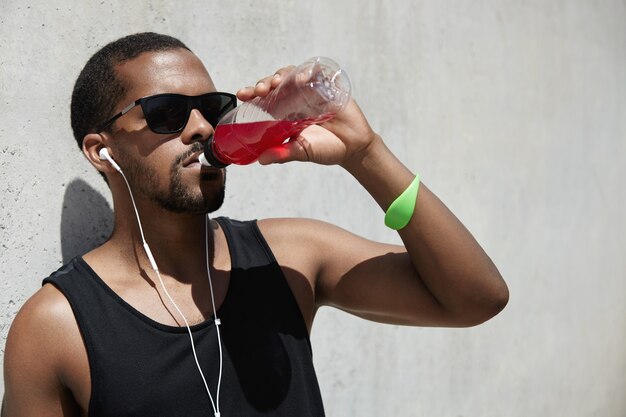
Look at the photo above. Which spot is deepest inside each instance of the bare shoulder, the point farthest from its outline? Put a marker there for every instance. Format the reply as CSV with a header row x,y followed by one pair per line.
x,y
42,309
41,325
294,241
306,231
311,234
293,228
43,340
300,239
319,245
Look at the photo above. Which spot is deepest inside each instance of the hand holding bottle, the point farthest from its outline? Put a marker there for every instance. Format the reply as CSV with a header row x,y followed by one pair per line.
x,y
335,141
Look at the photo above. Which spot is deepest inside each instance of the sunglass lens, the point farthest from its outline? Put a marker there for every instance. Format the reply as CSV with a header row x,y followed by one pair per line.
x,y
166,114
214,107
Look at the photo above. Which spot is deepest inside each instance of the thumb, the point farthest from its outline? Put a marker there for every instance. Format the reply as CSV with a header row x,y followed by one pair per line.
x,y
294,150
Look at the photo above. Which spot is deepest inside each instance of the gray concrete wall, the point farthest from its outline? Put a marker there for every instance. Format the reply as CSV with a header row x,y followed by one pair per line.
x,y
513,112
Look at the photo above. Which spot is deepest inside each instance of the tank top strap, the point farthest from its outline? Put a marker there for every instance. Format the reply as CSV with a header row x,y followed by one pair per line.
x,y
248,247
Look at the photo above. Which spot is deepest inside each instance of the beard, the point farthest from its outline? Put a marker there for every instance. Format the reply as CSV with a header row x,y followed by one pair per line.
x,y
176,198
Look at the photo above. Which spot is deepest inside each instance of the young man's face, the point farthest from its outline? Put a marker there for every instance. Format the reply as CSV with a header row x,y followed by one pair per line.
x,y
158,165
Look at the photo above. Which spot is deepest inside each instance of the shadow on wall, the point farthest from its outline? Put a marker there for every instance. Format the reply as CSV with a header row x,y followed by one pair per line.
x,y
86,220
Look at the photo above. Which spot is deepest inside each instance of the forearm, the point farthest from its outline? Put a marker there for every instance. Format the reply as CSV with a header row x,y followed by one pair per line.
x,y
447,258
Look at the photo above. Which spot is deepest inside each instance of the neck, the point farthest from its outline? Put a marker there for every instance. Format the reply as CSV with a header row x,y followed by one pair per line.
x,y
176,240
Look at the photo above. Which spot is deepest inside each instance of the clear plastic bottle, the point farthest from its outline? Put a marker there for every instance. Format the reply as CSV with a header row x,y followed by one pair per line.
x,y
311,94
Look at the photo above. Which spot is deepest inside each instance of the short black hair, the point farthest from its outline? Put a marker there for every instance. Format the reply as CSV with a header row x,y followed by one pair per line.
x,y
98,90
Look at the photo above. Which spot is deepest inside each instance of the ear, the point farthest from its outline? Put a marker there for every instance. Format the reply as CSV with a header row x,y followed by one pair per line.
x,y
92,143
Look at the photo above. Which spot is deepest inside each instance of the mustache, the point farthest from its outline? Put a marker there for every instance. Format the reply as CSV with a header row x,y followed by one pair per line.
x,y
195,148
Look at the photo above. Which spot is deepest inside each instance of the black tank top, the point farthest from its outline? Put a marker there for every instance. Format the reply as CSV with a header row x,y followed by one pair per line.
x,y
143,368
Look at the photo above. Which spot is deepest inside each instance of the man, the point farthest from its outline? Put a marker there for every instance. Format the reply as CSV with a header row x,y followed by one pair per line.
x,y
106,334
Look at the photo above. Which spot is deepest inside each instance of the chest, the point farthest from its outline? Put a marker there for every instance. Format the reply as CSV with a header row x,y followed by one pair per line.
x,y
133,365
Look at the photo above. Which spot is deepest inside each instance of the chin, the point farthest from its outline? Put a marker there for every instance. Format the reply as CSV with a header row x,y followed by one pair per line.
x,y
210,176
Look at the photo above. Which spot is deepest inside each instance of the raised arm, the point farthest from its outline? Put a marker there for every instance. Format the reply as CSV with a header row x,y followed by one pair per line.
x,y
441,277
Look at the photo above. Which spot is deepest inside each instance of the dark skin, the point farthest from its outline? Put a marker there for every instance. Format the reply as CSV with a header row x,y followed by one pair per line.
x,y
440,277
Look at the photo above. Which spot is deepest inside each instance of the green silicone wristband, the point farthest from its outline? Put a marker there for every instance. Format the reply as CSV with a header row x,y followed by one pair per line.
x,y
401,210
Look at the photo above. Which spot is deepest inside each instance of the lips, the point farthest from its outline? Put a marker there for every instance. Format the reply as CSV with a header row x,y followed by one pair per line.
x,y
191,160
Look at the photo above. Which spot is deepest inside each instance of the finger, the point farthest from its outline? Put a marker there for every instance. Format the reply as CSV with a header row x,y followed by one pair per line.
x,y
264,85
294,150
260,89
246,93
281,74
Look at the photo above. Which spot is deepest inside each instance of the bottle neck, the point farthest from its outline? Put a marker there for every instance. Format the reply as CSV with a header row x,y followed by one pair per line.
x,y
211,156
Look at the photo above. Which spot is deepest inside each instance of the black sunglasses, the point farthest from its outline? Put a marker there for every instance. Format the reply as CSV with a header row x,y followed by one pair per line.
x,y
169,113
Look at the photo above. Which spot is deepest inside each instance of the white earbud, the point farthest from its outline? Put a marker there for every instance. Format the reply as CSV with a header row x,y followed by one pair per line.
x,y
104,154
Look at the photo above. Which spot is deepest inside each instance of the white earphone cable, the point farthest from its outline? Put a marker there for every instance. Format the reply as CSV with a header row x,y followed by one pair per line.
x,y
218,322
215,405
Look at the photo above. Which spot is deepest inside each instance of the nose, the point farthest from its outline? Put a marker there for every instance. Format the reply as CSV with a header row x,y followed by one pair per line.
x,y
197,128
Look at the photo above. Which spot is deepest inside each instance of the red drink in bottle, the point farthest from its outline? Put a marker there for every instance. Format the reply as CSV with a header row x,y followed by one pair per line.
x,y
312,93
242,143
